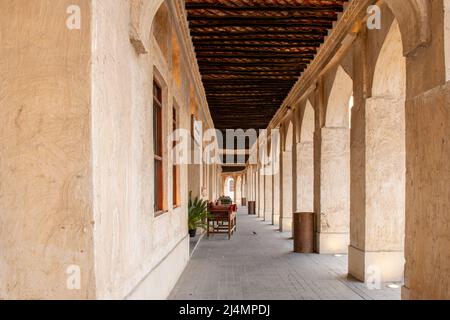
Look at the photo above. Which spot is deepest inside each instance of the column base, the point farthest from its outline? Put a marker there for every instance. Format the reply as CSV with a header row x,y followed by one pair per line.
x,y
332,243
260,213
286,224
364,265
268,216
276,220
406,293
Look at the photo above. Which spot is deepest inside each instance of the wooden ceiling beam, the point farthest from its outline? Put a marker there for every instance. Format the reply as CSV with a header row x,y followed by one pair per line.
x,y
239,102
240,93
255,55
304,19
243,87
264,8
259,40
261,68
230,110
273,72
287,31
275,84
250,23
281,66
272,88
220,46
251,61
251,53
244,49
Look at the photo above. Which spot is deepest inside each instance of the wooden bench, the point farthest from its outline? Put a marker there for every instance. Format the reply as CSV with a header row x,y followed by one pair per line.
x,y
222,219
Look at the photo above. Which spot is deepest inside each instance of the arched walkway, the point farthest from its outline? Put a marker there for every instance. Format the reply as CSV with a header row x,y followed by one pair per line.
x,y
258,264
96,207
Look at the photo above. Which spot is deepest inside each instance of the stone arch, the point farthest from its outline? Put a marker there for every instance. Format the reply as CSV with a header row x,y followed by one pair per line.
x,y
337,113
389,78
414,23
307,124
379,236
289,137
142,13
229,184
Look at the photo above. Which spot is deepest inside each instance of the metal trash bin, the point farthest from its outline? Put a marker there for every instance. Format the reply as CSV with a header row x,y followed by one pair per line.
x,y
252,207
303,232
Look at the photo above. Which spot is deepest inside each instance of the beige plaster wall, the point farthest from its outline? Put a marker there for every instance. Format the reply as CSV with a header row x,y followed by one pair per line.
x,y
427,245
45,175
130,242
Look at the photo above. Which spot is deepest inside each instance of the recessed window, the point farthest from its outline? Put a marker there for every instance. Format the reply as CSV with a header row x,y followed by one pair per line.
x,y
175,169
158,148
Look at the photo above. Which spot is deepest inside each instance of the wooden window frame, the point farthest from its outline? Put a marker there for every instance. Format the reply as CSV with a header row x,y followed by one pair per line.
x,y
158,148
176,201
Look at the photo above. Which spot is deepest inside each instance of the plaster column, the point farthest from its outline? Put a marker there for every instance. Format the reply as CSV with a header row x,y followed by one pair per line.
x,y
286,177
256,190
276,183
253,185
427,248
332,191
238,190
249,184
378,190
261,194
305,174
268,194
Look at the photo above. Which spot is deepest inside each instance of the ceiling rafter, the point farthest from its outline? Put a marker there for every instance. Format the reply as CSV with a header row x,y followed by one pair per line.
x,y
251,53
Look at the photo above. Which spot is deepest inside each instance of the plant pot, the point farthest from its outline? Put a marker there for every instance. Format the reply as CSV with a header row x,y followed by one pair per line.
x,y
193,233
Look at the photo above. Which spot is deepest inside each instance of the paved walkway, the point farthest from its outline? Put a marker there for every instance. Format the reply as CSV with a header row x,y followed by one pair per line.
x,y
262,266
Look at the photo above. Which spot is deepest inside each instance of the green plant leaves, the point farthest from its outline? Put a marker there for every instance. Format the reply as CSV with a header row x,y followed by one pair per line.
x,y
197,213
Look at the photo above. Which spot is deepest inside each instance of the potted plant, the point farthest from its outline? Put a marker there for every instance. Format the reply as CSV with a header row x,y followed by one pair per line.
x,y
197,214
224,200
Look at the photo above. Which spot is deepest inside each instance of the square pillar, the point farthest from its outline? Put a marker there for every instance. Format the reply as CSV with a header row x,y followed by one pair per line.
x,y
268,194
305,177
378,191
261,194
332,199
427,241
287,195
276,199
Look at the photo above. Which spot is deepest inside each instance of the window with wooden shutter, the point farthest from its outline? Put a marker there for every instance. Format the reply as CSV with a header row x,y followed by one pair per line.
x,y
158,148
175,169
